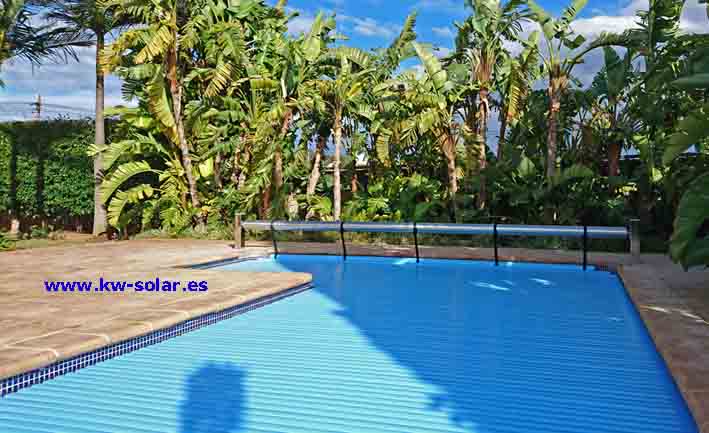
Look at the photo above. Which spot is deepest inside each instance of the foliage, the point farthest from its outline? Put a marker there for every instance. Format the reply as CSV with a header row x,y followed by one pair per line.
x,y
235,114
689,244
6,243
53,173
414,198
21,36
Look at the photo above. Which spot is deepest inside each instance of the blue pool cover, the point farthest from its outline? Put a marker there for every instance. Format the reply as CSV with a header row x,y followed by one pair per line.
x,y
386,345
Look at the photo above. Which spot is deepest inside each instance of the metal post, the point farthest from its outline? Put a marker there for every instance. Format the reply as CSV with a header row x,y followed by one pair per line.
x,y
342,239
416,242
494,243
634,234
239,241
273,238
585,246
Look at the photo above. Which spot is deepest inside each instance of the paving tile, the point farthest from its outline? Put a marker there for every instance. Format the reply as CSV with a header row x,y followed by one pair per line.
x,y
117,330
15,360
158,319
699,404
64,344
28,312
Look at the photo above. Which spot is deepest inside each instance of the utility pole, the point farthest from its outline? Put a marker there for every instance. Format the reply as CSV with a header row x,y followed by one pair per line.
x,y
38,108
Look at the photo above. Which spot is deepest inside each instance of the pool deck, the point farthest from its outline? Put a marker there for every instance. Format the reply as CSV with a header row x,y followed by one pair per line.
x,y
39,328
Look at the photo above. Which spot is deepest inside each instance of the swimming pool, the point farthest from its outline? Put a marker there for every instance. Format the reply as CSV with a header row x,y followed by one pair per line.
x,y
386,345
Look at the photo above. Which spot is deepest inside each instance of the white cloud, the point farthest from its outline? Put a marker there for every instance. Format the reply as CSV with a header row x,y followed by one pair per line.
x,y
443,32
442,51
71,84
369,27
447,6
300,24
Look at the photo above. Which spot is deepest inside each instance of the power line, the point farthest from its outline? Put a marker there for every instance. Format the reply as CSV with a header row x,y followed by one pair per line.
x,y
40,110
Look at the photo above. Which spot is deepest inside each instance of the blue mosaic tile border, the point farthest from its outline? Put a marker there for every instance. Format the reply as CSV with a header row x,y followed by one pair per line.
x,y
222,262
25,380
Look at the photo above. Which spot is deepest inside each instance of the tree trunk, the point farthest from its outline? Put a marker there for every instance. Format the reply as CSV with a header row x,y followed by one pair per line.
x,y
278,154
218,170
481,138
552,125
503,132
315,172
336,174
265,210
242,173
99,225
176,93
614,159
236,169
448,145
14,208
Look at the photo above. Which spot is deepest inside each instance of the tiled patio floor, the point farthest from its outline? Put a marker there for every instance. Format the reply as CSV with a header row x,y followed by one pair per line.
x,y
39,328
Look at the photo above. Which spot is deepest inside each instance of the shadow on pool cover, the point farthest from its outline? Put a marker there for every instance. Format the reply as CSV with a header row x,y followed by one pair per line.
x,y
513,349
215,399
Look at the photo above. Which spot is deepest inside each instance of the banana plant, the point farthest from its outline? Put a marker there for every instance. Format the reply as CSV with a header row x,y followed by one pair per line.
x,y
515,80
158,41
689,244
611,107
564,50
480,45
435,97
343,93
382,96
289,76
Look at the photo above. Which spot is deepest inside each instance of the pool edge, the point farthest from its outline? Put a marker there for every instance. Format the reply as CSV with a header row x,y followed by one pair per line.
x,y
632,287
17,382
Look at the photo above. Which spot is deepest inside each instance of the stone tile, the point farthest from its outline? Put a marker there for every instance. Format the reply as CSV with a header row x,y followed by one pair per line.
x,y
64,344
15,360
158,319
196,307
117,330
699,403
28,311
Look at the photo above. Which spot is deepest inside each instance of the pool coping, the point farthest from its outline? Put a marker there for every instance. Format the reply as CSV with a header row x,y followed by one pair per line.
x,y
35,376
674,340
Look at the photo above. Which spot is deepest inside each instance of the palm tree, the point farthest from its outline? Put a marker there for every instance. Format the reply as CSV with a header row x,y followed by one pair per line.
x,y
23,38
93,21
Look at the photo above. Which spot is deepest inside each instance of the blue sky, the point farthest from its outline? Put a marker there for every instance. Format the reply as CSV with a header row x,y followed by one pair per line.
x,y
372,23
368,24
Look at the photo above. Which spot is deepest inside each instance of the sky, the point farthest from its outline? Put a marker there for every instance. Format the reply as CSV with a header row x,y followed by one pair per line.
x,y
367,23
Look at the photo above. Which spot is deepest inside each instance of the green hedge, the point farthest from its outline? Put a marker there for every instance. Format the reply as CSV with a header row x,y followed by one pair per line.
x,y
52,171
